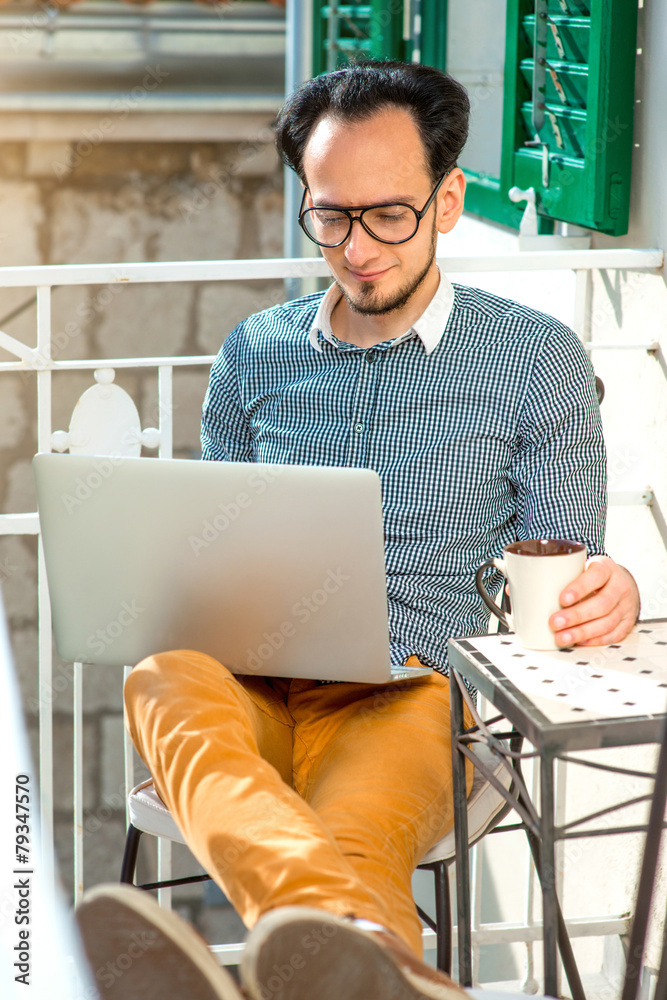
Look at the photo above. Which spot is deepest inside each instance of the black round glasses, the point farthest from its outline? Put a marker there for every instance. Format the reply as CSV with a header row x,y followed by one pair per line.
x,y
394,222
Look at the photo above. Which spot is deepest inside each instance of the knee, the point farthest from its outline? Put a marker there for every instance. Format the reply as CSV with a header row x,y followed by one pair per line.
x,y
149,677
166,677
152,672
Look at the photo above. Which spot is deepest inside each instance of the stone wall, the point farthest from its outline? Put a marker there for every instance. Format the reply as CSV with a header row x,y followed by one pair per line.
x,y
117,202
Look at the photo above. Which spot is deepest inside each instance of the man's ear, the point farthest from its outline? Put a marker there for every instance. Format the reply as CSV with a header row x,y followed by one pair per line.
x,y
450,199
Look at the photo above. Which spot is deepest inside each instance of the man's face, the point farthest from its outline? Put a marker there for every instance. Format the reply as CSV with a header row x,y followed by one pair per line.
x,y
374,162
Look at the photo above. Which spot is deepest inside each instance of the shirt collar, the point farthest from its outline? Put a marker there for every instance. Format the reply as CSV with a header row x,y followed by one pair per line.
x,y
430,326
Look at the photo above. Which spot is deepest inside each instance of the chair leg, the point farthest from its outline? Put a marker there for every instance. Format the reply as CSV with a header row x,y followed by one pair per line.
x,y
443,917
129,865
442,925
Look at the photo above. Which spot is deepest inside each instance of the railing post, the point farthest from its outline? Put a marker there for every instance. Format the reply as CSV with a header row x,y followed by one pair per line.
x,y
583,304
165,388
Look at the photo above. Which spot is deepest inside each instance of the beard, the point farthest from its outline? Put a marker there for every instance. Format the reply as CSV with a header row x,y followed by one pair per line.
x,y
368,302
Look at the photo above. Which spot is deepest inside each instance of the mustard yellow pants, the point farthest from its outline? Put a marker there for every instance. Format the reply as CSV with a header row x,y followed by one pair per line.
x,y
293,793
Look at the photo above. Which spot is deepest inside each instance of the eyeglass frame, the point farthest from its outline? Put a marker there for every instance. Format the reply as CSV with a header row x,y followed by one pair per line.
x,y
419,215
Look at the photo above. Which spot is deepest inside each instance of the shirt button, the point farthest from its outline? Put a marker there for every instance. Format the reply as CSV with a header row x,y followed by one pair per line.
x,y
371,356
358,428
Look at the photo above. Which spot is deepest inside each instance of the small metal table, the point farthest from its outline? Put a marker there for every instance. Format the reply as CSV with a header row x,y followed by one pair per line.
x,y
581,698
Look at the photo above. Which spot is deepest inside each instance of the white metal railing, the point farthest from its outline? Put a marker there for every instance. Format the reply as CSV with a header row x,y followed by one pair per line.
x,y
39,360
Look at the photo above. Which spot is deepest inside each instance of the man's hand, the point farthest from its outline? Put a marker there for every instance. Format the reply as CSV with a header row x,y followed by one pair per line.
x,y
599,607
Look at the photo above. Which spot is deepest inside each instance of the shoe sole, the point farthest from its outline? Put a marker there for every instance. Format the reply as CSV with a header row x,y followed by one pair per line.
x,y
138,951
298,953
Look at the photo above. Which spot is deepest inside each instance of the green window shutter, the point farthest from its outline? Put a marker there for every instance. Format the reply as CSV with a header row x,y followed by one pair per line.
x,y
344,32
569,100
432,37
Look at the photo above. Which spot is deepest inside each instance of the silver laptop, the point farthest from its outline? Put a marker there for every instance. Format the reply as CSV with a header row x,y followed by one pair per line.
x,y
275,570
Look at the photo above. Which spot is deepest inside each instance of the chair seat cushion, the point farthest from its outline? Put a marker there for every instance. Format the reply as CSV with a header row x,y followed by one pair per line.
x,y
485,803
149,814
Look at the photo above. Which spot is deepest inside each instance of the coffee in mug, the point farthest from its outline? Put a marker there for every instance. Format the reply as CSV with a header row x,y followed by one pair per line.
x,y
538,570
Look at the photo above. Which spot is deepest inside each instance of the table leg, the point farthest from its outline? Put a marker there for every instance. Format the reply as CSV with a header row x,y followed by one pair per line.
x,y
564,946
548,875
461,836
647,877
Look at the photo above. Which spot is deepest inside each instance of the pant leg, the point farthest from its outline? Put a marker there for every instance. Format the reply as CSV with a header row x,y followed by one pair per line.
x,y
377,770
220,753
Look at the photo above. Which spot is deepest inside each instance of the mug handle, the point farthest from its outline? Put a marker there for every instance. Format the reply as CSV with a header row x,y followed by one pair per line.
x,y
484,594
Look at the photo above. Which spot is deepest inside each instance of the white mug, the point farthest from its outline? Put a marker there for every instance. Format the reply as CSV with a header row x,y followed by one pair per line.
x,y
538,571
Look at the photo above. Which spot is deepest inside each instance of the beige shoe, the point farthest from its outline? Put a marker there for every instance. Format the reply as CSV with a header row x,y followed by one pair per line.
x,y
138,951
299,953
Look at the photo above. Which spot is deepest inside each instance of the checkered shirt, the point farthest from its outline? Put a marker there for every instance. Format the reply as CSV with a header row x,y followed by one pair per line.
x,y
481,420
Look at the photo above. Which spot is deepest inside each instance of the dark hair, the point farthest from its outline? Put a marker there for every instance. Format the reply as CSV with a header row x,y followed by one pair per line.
x,y
438,104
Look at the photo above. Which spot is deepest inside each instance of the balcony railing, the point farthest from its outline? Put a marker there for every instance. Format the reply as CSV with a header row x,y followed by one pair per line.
x,y
38,359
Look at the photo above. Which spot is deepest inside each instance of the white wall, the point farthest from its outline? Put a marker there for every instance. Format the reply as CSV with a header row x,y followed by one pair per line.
x,y
632,307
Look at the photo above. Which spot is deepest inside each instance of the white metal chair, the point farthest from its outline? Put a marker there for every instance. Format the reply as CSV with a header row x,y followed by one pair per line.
x,y
486,807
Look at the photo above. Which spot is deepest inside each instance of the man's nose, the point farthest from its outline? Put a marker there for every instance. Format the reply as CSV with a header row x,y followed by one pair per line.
x,y
360,245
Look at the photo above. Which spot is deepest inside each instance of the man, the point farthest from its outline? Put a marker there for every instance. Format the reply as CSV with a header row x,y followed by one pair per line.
x,y
480,417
